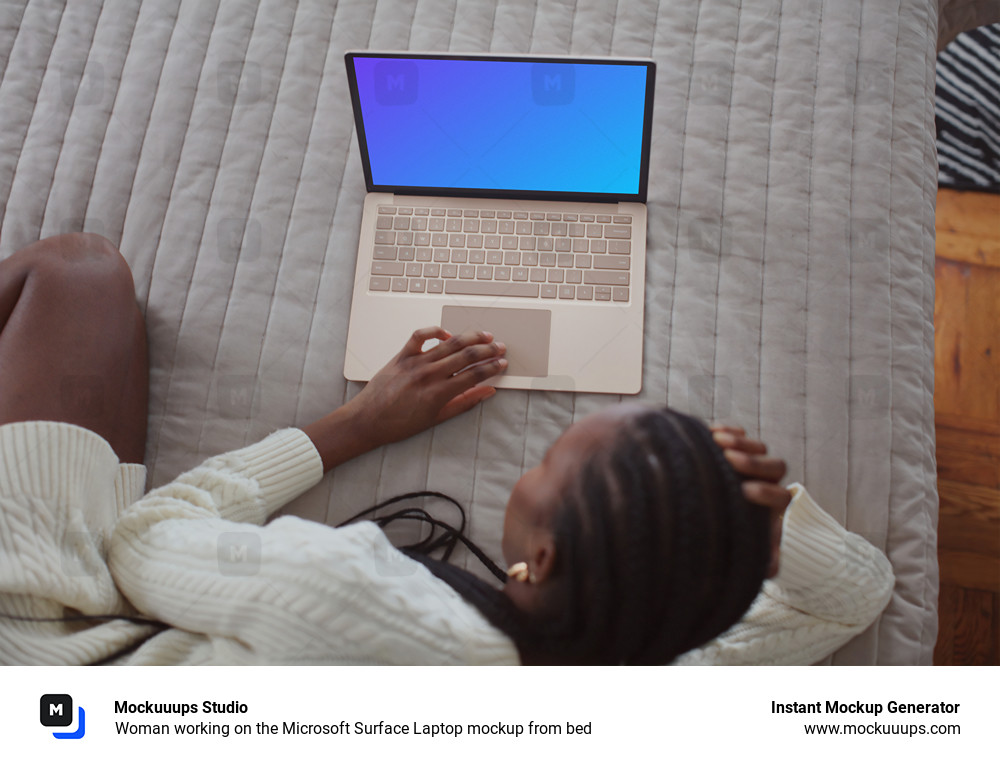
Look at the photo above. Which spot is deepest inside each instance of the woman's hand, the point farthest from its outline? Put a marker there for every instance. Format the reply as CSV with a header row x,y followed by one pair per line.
x,y
760,476
416,390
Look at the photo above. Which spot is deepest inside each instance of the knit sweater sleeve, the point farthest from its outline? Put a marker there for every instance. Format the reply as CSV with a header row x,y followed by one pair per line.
x,y
831,586
193,555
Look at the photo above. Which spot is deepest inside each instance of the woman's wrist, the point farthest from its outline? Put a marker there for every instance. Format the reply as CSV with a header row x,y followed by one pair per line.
x,y
341,436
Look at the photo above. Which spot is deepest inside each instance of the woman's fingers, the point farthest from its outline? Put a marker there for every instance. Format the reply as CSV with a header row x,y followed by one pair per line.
x,y
416,341
756,466
767,494
465,401
729,439
456,343
470,356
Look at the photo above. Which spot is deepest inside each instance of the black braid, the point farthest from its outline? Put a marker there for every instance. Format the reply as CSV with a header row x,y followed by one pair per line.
x,y
658,552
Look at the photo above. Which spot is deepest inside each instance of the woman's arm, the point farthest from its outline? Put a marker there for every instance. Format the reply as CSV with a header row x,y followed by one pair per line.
x,y
828,586
169,548
417,389
831,585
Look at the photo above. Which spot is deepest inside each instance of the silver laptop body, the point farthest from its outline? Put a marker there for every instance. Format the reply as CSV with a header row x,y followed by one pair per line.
x,y
505,193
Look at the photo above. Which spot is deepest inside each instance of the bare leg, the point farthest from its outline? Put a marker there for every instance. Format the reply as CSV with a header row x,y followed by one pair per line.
x,y
73,341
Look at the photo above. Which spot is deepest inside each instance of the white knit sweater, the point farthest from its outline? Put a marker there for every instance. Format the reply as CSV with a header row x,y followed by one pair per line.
x,y
77,536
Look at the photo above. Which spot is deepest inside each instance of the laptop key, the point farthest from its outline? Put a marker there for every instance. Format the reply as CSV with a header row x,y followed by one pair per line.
x,y
435,285
585,293
620,246
506,289
386,209
418,285
619,278
602,293
449,271
400,284
567,292
466,272
549,291
619,262
414,269
384,253
619,294
623,219
385,237
383,222
379,284
618,232
580,245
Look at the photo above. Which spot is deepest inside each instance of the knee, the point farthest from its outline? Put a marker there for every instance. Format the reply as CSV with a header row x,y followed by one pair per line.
x,y
86,265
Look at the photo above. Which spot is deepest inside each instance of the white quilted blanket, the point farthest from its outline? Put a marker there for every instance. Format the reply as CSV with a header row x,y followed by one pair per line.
x,y
790,260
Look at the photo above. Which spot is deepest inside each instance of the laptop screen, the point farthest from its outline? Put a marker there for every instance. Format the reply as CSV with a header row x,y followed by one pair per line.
x,y
539,128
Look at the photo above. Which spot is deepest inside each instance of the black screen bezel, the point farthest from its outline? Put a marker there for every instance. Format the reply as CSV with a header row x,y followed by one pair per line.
x,y
443,191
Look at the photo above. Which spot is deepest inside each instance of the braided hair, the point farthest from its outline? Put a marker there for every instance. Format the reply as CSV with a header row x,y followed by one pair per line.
x,y
657,552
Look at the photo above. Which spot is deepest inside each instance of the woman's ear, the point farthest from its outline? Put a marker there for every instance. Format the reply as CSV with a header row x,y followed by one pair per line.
x,y
543,560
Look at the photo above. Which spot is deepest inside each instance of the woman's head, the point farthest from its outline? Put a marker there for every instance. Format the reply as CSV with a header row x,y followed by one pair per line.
x,y
638,541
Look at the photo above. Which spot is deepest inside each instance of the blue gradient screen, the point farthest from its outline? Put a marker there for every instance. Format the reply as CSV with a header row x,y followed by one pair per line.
x,y
517,125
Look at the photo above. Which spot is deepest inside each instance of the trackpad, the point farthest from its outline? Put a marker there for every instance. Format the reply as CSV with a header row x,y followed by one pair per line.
x,y
524,331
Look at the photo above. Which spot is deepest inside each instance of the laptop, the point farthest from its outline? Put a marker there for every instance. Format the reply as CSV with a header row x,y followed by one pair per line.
x,y
505,193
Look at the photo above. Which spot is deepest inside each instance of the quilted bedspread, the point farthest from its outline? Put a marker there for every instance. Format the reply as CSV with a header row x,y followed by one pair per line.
x,y
790,241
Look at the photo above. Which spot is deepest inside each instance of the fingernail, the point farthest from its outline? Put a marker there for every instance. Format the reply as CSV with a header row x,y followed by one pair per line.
x,y
501,347
724,439
503,362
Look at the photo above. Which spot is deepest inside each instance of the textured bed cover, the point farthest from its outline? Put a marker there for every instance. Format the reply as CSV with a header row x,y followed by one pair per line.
x,y
790,257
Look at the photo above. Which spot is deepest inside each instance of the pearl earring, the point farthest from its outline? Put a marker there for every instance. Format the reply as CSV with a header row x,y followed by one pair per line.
x,y
519,572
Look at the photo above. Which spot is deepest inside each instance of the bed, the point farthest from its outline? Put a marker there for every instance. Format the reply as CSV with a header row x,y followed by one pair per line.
x,y
790,244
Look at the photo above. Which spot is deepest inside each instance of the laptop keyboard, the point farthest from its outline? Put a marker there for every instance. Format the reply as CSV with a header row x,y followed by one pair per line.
x,y
516,254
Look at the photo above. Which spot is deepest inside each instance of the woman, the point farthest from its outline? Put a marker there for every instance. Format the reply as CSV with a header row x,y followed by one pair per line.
x,y
634,541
